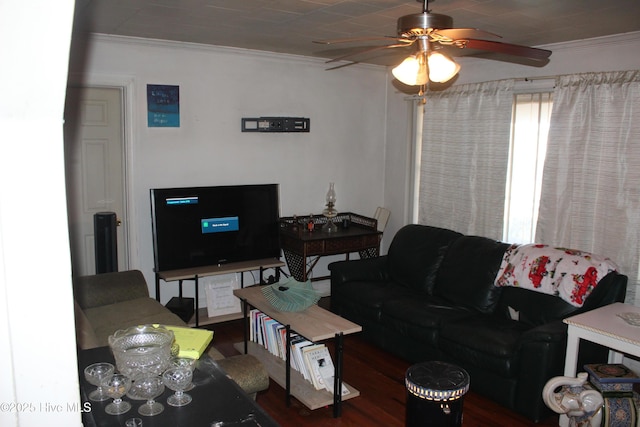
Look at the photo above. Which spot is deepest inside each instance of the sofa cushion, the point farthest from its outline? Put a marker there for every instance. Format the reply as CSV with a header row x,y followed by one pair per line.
x,y
611,288
485,341
366,298
107,319
532,308
420,317
468,270
109,288
415,254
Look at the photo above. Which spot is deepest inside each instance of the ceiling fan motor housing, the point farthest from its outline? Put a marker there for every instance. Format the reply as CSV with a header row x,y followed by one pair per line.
x,y
420,23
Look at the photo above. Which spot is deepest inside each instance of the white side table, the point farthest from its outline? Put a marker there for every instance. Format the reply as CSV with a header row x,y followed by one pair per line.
x,y
601,326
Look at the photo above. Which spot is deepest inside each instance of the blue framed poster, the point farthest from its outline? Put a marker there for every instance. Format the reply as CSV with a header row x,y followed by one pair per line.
x,y
163,106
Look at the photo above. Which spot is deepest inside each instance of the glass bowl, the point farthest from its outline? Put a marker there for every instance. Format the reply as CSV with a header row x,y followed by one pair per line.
x,y
141,351
631,318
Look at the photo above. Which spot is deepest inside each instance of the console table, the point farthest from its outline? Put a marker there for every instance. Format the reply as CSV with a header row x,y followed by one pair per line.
x,y
315,324
214,270
602,326
216,398
298,243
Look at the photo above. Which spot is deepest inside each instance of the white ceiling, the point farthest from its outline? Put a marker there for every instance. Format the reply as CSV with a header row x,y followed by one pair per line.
x,y
290,26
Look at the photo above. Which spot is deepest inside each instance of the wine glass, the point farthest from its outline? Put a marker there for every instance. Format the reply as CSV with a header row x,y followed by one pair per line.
x,y
185,362
95,374
178,379
117,386
149,388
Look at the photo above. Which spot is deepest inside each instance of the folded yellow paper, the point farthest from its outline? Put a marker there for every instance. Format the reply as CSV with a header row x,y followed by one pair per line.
x,y
192,341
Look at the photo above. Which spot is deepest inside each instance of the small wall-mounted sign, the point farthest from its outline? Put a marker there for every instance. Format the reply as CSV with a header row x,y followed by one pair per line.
x,y
163,106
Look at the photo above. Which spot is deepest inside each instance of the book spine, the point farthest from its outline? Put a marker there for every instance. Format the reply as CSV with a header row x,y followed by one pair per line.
x,y
312,361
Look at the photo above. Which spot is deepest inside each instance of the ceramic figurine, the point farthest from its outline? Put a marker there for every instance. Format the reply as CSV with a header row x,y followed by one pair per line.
x,y
582,405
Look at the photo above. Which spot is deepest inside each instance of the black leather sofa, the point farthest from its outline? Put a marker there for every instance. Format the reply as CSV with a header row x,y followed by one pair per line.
x,y
432,297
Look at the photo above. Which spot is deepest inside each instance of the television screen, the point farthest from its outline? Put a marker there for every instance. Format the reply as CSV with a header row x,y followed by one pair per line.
x,y
200,226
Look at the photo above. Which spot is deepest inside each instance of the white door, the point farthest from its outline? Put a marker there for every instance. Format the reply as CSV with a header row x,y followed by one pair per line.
x,y
95,172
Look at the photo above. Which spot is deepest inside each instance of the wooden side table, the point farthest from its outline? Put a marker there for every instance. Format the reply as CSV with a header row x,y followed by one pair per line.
x,y
602,326
316,324
299,244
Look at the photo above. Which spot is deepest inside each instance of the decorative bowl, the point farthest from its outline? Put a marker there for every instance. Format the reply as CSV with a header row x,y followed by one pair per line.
x,y
141,351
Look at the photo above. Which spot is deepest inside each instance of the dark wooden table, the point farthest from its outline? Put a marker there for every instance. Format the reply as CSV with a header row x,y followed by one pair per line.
x,y
216,398
359,234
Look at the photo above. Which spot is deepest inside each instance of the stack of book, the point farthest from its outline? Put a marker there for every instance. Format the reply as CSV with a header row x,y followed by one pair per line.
x,y
313,361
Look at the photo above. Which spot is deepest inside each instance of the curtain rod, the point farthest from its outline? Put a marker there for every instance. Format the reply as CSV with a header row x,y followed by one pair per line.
x,y
515,79
531,79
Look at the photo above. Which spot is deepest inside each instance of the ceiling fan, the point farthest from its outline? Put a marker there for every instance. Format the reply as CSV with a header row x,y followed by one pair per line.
x,y
429,34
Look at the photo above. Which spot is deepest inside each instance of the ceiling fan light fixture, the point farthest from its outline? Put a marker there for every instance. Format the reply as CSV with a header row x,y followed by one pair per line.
x,y
412,71
441,67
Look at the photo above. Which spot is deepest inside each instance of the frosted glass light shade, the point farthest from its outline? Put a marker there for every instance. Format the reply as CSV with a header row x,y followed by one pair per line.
x,y
411,72
441,68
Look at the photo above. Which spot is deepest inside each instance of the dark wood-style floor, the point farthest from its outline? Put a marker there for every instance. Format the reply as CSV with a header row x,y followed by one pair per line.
x,y
380,379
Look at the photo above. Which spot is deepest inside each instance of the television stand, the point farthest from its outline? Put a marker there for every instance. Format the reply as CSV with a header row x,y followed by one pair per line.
x,y
215,270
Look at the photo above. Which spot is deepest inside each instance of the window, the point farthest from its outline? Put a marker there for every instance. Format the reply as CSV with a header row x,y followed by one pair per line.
x,y
529,129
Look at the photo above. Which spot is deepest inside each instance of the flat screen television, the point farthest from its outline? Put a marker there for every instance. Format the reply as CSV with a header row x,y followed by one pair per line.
x,y
200,226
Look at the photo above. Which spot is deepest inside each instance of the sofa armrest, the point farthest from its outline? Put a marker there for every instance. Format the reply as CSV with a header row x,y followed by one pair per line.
x,y
366,269
555,331
109,288
85,335
542,351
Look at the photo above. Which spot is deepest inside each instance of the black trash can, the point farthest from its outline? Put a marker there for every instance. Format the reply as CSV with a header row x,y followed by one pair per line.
x,y
435,394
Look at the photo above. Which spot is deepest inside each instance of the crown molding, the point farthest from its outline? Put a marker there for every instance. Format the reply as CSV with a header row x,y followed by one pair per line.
x,y
596,42
200,47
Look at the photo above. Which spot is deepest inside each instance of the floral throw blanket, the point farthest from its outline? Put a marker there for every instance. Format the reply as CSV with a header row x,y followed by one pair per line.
x,y
570,274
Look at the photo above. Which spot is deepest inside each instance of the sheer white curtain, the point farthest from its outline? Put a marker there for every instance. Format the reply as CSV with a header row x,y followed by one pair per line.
x,y
465,148
590,196
531,116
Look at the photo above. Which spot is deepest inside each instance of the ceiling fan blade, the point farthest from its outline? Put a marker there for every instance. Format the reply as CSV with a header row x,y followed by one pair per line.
x,y
509,49
362,52
466,33
358,39
342,65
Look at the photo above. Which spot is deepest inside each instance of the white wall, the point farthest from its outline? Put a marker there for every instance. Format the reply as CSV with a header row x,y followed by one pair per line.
x,y
219,86
38,368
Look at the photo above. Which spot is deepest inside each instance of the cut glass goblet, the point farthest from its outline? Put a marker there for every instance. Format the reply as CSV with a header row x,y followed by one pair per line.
x,y
95,374
149,388
178,379
117,386
185,362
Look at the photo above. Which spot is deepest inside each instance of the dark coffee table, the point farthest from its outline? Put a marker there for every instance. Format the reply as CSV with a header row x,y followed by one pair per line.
x,y
215,398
